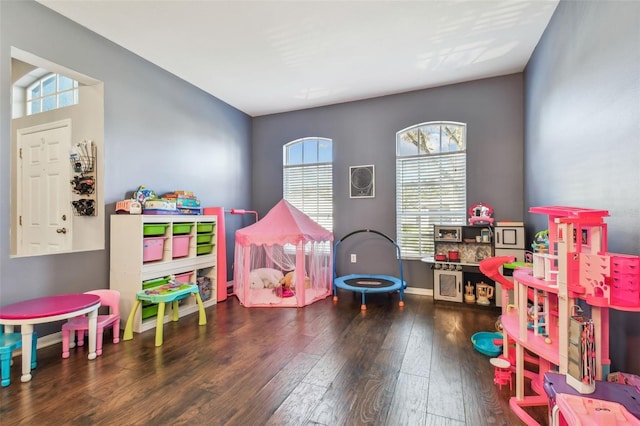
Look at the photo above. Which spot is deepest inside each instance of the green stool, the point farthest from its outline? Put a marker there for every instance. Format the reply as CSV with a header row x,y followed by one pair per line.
x,y
169,293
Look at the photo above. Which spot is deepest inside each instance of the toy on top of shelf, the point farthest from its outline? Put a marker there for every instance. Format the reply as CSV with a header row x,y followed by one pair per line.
x,y
130,206
143,194
480,214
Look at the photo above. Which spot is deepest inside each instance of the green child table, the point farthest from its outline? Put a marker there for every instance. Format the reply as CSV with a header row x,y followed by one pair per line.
x,y
169,293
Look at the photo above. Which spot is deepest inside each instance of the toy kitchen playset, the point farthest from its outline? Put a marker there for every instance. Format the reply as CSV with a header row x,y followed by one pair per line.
x,y
458,250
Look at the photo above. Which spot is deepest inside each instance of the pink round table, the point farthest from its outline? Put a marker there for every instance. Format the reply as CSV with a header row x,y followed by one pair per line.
x,y
49,309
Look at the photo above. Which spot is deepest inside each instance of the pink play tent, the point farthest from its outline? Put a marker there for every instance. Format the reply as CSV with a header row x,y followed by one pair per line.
x,y
284,241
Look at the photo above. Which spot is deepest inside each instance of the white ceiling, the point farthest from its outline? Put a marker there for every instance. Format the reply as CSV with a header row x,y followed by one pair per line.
x,y
265,57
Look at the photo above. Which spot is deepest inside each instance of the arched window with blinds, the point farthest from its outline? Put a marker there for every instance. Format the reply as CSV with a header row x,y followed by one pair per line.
x,y
308,178
431,183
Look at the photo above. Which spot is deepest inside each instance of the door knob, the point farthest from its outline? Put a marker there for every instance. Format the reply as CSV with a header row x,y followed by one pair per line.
x,y
61,230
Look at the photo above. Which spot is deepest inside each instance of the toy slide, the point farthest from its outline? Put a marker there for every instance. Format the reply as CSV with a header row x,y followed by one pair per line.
x,y
490,266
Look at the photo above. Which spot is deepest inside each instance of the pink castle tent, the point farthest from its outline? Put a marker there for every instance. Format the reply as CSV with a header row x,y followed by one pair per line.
x,y
285,240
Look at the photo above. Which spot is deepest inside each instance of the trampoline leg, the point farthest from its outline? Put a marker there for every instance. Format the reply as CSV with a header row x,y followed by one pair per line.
x,y
363,307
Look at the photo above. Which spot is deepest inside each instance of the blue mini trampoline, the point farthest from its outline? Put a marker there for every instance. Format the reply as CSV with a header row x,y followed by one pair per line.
x,y
368,283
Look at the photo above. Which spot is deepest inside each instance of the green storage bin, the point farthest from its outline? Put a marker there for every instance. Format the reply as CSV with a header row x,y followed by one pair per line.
x,y
205,228
149,311
151,229
156,282
204,238
182,228
205,248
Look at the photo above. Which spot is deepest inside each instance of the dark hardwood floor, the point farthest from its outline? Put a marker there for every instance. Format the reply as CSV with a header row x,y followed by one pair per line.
x,y
325,364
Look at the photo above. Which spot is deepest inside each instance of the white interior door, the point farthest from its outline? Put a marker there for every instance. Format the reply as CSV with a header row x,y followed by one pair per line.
x,y
44,195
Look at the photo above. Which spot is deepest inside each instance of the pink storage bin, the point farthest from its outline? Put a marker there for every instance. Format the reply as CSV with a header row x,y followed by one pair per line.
x,y
152,248
181,245
184,277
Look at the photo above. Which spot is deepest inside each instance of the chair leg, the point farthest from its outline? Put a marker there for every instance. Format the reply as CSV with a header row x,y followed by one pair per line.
x,y
65,342
80,337
34,346
5,365
99,334
116,331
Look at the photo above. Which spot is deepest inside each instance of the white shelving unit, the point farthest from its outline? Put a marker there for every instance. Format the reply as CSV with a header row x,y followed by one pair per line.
x,y
128,270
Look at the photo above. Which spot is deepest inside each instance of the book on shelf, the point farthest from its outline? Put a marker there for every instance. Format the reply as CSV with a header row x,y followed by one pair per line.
x,y
509,223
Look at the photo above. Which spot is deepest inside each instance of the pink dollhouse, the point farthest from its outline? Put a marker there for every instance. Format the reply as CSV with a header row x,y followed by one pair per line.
x,y
545,323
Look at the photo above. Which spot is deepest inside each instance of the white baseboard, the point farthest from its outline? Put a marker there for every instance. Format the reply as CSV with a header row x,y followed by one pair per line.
x,y
43,342
50,339
419,291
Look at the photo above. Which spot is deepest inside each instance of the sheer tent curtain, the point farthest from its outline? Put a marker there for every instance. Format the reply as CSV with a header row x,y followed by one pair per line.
x,y
278,257
283,258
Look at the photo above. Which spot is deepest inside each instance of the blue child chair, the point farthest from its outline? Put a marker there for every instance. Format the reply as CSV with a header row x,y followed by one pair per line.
x,y
8,343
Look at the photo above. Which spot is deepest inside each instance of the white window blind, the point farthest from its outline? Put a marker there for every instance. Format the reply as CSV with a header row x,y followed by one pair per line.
x,y
308,178
430,183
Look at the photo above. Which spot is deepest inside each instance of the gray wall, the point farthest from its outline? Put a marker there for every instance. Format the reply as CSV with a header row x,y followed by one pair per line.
x,y
364,132
160,132
582,103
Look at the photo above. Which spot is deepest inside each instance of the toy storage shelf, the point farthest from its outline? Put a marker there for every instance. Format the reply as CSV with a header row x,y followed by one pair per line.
x,y
170,245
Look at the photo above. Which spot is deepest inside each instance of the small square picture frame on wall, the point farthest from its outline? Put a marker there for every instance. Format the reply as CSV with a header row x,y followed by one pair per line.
x,y
362,181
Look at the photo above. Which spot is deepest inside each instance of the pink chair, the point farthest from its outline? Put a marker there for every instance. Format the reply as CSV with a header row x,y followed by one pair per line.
x,y
502,371
108,298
